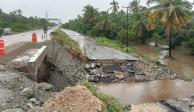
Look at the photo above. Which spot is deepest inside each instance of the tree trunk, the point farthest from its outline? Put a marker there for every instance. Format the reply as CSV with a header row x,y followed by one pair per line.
x,y
116,23
156,43
170,45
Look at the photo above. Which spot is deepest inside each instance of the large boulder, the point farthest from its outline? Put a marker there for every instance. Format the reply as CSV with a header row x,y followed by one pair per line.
x,y
45,86
27,92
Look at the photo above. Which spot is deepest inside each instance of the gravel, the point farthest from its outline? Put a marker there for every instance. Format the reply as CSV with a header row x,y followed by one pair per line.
x,y
74,99
16,89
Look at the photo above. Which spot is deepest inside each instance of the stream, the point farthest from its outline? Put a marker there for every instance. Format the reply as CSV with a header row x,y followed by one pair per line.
x,y
147,92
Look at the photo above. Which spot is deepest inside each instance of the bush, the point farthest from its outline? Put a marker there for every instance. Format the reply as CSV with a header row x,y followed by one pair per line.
x,y
158,63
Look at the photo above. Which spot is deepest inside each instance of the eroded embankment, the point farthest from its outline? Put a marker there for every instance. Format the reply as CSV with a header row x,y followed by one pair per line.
x,y
64,68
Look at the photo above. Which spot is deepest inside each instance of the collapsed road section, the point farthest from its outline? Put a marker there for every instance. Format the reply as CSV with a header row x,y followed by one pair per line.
x,y
21,93
33,61
37,67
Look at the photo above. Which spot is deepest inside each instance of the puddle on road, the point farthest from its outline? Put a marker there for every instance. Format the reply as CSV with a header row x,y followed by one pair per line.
x,y
138,93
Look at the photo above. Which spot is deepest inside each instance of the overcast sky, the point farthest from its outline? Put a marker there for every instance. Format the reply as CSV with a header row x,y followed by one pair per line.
x,y
64,9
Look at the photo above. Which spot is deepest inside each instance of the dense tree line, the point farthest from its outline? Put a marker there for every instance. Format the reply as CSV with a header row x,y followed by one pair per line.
x,y
168,20
19,23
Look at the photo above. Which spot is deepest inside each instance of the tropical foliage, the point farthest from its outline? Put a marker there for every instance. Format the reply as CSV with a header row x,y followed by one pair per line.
x,y
19,23
173,16
169,21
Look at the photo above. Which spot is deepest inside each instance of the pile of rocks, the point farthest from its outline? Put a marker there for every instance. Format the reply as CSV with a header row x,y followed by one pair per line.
x,y
138,71
153,72
19,94
180,104
117,72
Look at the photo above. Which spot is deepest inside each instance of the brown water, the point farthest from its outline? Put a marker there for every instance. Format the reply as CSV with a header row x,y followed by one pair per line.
x,y
138,93
183,63
148,51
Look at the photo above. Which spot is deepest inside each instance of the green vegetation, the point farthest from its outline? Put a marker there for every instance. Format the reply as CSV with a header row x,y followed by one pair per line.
x,y
169,21
64,40
119,46
19,23
186,78
111,105
114,44
158,63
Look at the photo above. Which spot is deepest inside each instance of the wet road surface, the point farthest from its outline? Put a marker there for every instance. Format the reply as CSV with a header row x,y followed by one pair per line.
x,y
12,42
24,37
97,52
138,93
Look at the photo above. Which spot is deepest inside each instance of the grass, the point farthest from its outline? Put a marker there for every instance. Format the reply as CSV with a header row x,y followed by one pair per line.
x,y
114,44
186,78
117,45
111,105
66,41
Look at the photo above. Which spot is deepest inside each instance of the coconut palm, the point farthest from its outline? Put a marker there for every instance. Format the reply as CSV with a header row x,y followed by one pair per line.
x,y
136,9
19,12
106,25
172,14
115,6
90,14
135,6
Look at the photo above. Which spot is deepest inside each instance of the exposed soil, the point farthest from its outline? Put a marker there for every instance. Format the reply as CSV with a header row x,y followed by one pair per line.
x,y
74,99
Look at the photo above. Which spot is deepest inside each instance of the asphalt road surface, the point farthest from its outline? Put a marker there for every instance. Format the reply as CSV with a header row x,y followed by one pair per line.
x,y
12,42
24,37
95,51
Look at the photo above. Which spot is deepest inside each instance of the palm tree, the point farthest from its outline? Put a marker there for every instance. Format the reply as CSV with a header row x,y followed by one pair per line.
x,y
140,18
115,8
90,14
19,11
172,14
135,6
106,25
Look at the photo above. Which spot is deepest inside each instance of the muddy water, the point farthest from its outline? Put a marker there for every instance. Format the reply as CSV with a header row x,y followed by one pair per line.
x,y
148,51
138,93
183,62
